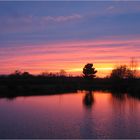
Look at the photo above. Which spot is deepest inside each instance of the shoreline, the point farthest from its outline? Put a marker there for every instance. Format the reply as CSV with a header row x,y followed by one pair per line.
x,y
14,87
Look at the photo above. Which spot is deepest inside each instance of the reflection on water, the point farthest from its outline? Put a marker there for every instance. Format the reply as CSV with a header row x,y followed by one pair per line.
x,y
88,99
86,114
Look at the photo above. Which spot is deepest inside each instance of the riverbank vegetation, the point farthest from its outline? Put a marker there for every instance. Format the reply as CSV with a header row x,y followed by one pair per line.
x,y
121,80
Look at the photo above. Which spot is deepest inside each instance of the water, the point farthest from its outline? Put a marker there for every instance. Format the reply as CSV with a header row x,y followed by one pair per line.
x,y
73,115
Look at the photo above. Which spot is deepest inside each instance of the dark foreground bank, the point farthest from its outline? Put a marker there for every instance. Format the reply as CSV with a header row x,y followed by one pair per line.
x,y
40,85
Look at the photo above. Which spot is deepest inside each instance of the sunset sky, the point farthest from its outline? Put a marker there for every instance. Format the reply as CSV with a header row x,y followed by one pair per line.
x,y
49,36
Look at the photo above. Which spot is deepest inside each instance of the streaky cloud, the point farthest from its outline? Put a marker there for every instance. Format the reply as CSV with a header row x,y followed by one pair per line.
x,y
70,55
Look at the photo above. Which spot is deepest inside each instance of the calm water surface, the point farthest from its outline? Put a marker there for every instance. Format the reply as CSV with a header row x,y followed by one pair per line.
x,y
73,115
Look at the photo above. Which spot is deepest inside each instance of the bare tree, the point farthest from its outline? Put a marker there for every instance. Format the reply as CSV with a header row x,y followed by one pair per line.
x,y
133,66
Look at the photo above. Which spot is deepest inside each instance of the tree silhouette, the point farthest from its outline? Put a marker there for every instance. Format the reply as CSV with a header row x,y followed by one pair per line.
x,y
62,73
89,71
17,72
121,72
26,74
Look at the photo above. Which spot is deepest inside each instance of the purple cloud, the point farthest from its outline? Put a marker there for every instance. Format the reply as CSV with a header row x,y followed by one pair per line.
x,y
27,23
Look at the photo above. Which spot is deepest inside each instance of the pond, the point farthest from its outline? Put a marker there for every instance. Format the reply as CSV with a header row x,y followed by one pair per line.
x,y
72,115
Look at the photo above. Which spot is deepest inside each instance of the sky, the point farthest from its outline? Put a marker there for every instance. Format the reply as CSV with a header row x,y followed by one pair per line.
x,y
49,36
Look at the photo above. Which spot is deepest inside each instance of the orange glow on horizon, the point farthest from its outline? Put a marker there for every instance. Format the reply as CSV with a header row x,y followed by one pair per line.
x,y
70,56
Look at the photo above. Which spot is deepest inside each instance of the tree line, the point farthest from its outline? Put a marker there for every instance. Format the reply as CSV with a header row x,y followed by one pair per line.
x,y
89,72
122,79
